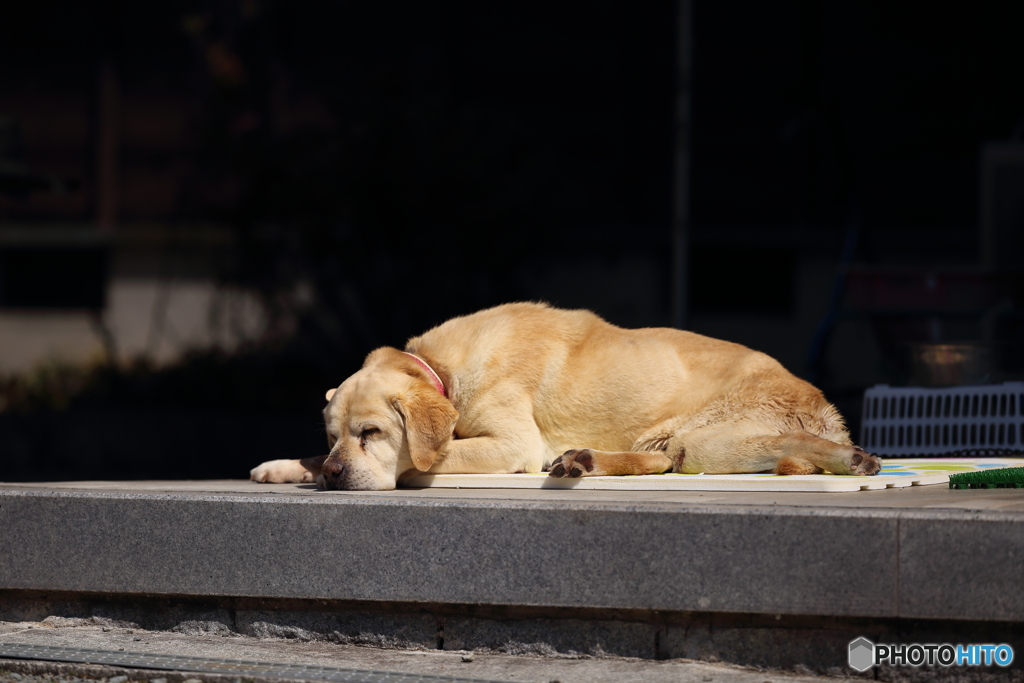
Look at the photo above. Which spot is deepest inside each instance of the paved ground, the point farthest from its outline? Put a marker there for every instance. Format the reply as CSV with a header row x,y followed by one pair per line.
x,y
496,667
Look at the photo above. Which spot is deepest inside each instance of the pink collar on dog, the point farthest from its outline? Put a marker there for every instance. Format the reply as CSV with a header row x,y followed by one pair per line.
x,y
438,384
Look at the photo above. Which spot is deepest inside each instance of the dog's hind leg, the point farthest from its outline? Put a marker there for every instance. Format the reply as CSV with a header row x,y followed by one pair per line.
x,y
735,447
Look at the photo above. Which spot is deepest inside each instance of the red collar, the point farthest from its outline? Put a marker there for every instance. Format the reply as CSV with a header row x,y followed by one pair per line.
x,y
434,378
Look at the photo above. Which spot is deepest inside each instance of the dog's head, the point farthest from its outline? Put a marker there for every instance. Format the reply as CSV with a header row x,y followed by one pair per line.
x,y
384,420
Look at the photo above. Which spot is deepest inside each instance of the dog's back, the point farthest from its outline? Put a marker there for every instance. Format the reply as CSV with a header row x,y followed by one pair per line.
x,y
592,382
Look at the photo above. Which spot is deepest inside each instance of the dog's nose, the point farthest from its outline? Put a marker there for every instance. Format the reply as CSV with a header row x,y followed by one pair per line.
x,y
333,470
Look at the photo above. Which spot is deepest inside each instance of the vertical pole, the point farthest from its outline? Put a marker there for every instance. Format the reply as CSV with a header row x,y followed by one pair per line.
x,y
107,144
108,121
681,179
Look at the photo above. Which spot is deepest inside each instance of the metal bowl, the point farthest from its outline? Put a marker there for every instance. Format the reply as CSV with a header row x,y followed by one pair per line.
x,y
948,365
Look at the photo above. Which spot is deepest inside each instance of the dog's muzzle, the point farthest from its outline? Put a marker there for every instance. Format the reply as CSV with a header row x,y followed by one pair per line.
x,y
333,473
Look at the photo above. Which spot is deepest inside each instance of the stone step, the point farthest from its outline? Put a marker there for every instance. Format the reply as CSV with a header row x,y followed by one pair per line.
x,y
921,552
780,580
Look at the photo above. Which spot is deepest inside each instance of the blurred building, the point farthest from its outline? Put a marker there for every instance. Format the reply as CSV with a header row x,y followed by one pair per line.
x,y
223,172
93,270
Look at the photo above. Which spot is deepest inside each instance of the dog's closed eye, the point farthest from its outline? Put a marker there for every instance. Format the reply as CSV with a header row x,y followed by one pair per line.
x,y
366,433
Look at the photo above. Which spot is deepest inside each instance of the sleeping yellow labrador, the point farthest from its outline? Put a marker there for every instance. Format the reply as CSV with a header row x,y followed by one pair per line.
x,y
530,388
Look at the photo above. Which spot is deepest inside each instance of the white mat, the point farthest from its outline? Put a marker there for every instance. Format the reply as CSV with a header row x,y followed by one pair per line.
x,y
896,473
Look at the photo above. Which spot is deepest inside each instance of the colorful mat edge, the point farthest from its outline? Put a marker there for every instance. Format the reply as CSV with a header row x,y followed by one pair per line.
x,y
727,482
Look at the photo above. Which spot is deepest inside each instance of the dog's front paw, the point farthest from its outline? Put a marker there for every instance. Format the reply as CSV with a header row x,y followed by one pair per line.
x,y
576,463
863,463
281,472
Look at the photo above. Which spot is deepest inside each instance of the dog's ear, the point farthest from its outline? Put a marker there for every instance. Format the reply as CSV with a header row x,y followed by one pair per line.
x,y
429,422
330,392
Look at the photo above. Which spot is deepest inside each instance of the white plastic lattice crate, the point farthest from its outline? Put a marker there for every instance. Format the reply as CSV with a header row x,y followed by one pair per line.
x,y
911,421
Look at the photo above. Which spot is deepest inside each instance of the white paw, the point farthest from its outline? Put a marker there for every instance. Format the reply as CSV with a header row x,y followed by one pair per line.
x,y
280,472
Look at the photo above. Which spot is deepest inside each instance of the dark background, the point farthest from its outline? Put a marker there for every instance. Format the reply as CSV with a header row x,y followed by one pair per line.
x,y
399,163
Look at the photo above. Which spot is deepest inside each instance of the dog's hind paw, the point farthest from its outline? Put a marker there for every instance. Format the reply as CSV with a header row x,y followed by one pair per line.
x,y
863,463
576,463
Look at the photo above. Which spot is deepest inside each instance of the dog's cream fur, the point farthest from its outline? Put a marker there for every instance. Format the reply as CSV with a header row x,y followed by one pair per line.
x,y
528,384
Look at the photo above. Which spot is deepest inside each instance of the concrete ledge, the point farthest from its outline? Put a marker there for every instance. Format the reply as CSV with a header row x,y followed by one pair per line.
x,y
924,552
